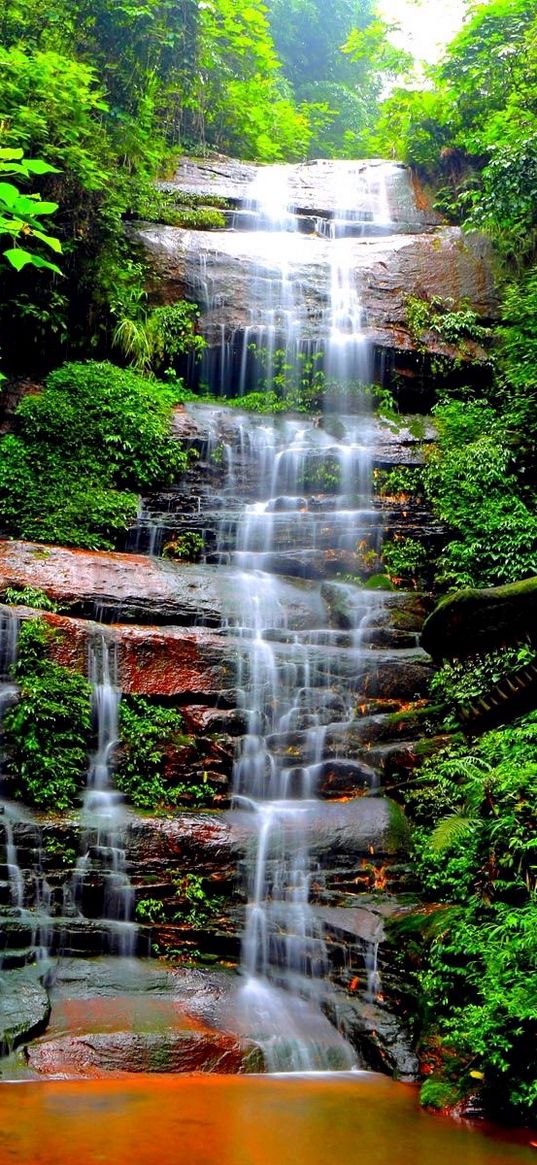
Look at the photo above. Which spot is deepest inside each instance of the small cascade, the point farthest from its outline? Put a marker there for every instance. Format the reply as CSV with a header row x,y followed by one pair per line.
x,y
303,314
103,813
27,899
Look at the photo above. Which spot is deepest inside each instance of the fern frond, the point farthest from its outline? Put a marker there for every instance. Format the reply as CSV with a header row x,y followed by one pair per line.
x,y
451,830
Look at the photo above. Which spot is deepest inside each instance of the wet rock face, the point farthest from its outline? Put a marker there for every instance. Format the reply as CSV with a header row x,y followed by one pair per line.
x,y
387,270
24,1008
314,187
119,1053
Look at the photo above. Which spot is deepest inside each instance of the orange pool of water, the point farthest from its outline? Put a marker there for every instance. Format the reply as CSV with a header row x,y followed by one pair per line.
x,y
218,1120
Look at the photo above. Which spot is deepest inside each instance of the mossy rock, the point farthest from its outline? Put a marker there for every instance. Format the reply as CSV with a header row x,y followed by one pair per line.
x,y
479,621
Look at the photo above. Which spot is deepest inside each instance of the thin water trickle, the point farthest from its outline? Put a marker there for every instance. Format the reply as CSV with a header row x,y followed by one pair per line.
x,y
103,813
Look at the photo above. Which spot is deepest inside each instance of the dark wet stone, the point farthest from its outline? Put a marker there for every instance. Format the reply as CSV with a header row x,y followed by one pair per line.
x,y
24,1008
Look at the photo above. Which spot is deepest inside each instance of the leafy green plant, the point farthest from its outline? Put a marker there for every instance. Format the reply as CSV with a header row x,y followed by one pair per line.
x,y
460,682
146,733
403,481
187,547
29,597
57,851
470,482
150,910
47,733
84,447
21,214
405,560
156,339
198,906
473,808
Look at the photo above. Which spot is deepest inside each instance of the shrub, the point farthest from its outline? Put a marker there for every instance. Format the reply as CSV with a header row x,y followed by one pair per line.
x,y
473,839
146,731
85,446
470,482
47,734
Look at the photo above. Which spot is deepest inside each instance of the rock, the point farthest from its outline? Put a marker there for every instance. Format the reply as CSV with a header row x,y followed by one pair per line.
x,y
387,271
24,1008
134,588
380,1038
95,1054
314,187
118,586
474,621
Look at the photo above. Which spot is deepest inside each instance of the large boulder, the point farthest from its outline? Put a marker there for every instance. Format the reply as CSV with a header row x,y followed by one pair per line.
x,y
24,1008
472,621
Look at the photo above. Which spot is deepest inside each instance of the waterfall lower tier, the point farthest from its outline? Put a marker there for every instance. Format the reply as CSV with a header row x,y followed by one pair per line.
x,y
294,682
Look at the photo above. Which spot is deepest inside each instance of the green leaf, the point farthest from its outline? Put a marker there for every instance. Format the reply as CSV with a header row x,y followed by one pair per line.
x,y
36,166
9,195
450,831
19,258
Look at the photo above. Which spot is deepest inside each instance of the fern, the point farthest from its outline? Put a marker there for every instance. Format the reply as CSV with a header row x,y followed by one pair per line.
x,y
450,831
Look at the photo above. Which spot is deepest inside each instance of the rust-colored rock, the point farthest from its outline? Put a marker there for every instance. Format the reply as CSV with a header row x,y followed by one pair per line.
x,y
118,1053
120,586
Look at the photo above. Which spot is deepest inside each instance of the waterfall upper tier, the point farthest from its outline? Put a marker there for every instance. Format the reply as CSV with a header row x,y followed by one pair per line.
x,y
310,253
315,187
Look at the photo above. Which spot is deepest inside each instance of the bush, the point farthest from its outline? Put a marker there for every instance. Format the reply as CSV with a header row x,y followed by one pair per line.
x,y
47,734
474,814
405,560
146,731
471,484
84,447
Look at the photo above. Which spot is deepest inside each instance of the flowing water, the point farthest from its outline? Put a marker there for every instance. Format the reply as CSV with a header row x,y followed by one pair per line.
x,y
103,813
310,494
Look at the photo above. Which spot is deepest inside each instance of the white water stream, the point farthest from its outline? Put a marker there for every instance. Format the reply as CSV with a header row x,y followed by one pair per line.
x,y
312,489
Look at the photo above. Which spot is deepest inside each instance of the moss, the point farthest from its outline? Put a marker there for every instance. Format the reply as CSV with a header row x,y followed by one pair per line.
x,y
379,582
438,1094
470,621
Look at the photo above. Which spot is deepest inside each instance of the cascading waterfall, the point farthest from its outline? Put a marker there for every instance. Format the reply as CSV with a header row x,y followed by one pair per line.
x,y
9,635
103,812
30,900
287,681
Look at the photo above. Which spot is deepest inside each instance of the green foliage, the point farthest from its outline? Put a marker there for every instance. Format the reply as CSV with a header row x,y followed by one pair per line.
x,y
150,910
198,906
337,68
146,732
437,1094
455,324
56,851
180,210
158,339
403,481
47,733
471,483
84,445
462,682
474,849
29,597
21,214
474,128
187,547
405,560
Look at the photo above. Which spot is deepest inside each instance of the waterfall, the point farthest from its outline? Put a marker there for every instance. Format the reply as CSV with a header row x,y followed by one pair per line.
x,y
103,812
312,493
